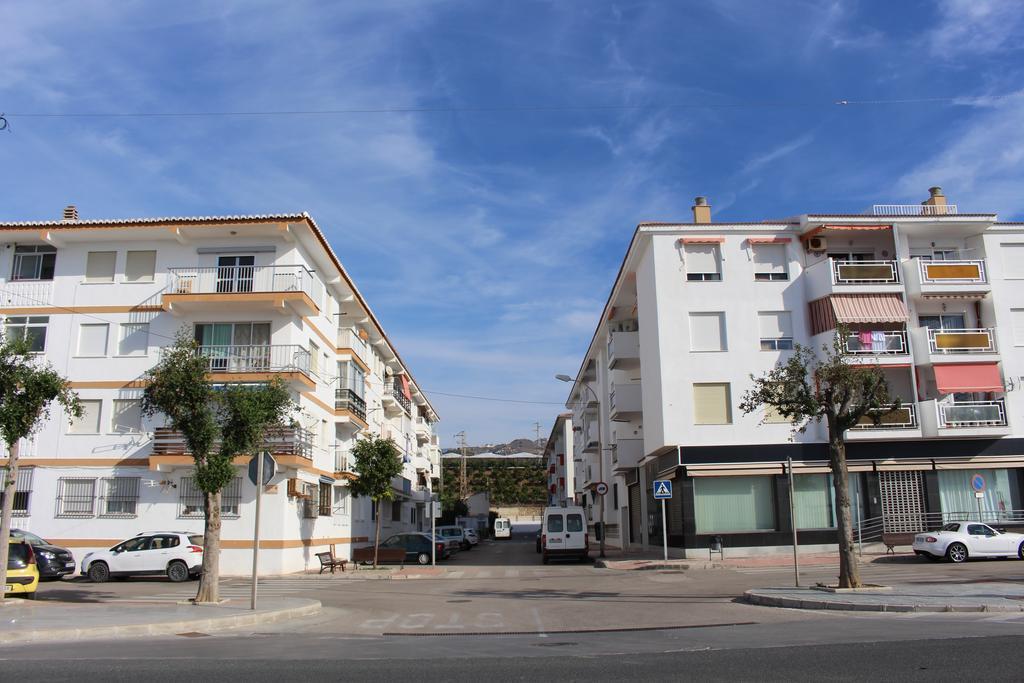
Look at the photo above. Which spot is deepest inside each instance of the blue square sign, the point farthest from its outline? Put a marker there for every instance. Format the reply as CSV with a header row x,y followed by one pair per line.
x,y
662,489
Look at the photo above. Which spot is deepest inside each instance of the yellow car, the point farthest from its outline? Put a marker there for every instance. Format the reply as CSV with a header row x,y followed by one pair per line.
x,y
22,572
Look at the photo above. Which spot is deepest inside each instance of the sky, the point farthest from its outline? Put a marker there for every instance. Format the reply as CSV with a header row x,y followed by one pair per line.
x,y
486,231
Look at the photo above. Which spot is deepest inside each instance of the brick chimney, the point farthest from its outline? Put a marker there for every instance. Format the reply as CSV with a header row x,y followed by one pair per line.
x,y
70,213
701,210
937,200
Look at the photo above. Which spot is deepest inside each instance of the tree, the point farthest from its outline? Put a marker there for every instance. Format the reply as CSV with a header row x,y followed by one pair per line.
x,y
28,387
217,426
378,461
808,387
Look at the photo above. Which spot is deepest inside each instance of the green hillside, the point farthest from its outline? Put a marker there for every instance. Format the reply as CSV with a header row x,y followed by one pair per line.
x,y
509,482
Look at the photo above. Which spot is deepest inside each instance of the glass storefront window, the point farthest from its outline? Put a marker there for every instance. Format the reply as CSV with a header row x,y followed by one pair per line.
x,y
956,497
813,501
729,504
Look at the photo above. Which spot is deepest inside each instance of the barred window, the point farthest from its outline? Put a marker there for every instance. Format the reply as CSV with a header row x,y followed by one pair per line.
x,y
325,499
22,490
396,511
120,497
190,498
75,497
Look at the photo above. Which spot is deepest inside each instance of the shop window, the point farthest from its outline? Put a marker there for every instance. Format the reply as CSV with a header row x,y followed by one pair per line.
x,y
733,504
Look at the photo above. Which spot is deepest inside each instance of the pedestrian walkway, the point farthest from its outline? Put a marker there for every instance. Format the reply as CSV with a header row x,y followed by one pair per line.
x,y
984,597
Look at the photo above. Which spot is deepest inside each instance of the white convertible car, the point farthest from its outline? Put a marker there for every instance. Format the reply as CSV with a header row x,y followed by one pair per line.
x,y
958,541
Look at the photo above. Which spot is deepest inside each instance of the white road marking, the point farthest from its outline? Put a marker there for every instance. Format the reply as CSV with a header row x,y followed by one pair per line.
x,y
540,624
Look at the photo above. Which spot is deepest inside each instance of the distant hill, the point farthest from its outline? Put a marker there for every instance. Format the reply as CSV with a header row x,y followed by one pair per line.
x,y
513,446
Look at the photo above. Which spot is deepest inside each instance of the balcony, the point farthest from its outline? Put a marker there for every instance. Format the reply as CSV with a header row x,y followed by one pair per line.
x,y
346,399
590,440
350,339
289,445
879,343
623,350
904,417
913,209
837,276
965,418
344,463
628,454
226,362
952,346
394,400
227,287
625,402
423,430
27,293
938,279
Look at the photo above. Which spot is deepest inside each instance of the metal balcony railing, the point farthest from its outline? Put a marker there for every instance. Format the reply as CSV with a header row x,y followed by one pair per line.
x,y
394,390
952,272
256,358
346,399
904,417
864,272
242,279
891,343
972,340
283,441
972,414
913,209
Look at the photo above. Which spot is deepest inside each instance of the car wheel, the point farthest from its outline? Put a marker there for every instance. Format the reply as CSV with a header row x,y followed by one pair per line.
x,y
956,552
99,572
423,558
1020,551
177,571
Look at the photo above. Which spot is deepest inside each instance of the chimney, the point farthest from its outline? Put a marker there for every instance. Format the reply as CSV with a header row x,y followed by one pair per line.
x,y
701,210
937,200
70,213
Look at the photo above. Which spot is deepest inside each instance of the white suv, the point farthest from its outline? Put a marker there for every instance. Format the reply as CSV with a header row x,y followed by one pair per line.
x,y
178,554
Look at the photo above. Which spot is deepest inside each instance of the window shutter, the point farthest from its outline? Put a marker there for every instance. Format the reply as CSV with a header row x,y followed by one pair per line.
x,y
701,258
134,339
769,258
127,416
711,404
707,332
1013,260
89,422
99,266
1017,320
140,266
775,324
92,340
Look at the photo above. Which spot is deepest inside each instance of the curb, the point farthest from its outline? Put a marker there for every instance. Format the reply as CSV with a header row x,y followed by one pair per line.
x,y
309,608
754,598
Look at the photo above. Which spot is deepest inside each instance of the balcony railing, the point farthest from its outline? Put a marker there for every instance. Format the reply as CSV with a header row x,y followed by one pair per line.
x,y
27,293
343,461
864,272
952,272
283,441
394,389
346,399
242,279
974,340
913,209
256,358
877,343
904,417
972,414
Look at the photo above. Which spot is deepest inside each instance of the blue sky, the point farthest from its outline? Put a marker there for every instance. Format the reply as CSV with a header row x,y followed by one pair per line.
x,y
487,241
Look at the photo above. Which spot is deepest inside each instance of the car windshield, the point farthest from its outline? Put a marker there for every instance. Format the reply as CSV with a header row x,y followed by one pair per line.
x,y
18,535
951,527
18,555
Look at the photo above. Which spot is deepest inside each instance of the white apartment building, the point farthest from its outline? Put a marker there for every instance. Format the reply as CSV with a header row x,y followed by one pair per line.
x,y
264,296
934,296
561,468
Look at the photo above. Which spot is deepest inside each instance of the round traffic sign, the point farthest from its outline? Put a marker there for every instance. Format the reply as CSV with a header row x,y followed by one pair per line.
x,y
978,483
601,488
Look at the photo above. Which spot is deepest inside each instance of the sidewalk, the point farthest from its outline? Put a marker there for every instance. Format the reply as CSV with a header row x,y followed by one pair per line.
x,y
24,621
987,597
646,561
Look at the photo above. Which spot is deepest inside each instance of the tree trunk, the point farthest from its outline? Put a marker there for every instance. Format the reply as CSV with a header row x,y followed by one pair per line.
x,y
9,488
376,540
209,582
849,572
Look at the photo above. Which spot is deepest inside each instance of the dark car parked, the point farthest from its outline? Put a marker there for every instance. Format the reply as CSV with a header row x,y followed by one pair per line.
x,y
53,561
415,545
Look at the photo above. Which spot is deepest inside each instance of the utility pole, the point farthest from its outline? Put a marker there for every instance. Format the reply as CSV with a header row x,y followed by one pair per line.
x,y
463,484
536,428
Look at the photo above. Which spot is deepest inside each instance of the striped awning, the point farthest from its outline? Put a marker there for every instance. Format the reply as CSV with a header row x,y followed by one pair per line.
x,y
769,240
702,240
821,228
869,308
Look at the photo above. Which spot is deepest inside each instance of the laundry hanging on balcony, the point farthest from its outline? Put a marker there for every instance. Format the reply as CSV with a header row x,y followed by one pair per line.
x,y
829,311
968,378
405,387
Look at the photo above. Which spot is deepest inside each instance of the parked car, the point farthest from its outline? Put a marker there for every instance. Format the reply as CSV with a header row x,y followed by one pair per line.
x,y
178,554
52,561
471,536
22,571
455,532
408,547
503,527
564,534
958,541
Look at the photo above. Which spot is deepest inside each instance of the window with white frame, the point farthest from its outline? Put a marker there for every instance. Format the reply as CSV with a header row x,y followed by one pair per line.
x,y
707,331
22,490
31,328
1017,323
712,403
133,339
119,497
703,261
190,498
100,265
89,421
126,416
34,262
140,266
770,262
340,500
776,329
75,496
1013,260
92,339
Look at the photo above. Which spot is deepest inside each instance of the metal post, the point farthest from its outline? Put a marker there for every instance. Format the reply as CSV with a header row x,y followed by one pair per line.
x,y
256,528
860,538
978,498
433,532
664,531
600,468
792,523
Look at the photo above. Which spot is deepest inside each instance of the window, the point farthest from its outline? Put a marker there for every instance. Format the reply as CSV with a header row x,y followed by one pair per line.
x,y
235,273
75,497
92,339
1001,495
1013,260
231,498
776,329
235,347
702,261
773,416
34,262
89,422
812,501
134,339
99,266
574,522
730,504
712,404
615,496
164,541
707,332
556,523
352,377
1017,323
126,417
325,499
340,500
31,328
190,498
120,497
22,490
140,266
770,262
396,511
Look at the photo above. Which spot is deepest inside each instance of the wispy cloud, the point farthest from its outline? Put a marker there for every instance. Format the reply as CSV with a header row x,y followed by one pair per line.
x,y
976,27
784,150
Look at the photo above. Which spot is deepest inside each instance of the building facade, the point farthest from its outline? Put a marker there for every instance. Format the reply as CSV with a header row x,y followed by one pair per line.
x,y
263,296
930,294
561,467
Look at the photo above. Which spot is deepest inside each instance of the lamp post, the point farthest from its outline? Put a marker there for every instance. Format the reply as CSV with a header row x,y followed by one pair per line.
x,y
600,455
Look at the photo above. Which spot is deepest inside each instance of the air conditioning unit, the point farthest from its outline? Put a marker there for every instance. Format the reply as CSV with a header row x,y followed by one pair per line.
x,y
817,244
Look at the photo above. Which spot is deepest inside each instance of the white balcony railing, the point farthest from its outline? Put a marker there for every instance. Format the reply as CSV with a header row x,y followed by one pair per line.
x,y
904,417
975,340
913,209
350,339
864,272
972,414
27,293
256,358
952,272
243,280
877,343
342,459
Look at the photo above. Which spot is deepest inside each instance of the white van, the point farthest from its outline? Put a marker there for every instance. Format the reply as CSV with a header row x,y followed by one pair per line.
x,y
502,527
564,534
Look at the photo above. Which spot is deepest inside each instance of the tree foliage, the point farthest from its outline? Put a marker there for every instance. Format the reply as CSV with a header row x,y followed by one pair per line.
x,y
377,462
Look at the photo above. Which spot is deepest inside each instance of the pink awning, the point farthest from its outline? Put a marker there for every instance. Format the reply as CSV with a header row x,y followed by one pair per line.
x,y
769,240
869,308
968,377
702,240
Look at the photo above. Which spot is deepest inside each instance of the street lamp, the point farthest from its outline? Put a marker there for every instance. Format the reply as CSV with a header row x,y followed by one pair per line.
x,y
600,453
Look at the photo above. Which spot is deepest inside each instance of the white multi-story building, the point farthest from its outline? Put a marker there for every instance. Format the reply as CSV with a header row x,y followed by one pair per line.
x,y
558,457
264,296
934,296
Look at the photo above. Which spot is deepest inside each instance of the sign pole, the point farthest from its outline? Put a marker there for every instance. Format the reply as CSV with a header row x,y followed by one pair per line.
x,y
792,523
256,528
664,531
433,532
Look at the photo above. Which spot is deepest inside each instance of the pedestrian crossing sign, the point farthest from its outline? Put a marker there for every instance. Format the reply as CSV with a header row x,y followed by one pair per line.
x,y
662,489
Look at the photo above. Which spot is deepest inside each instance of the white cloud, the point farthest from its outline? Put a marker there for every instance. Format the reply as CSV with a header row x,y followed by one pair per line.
x,y
979,27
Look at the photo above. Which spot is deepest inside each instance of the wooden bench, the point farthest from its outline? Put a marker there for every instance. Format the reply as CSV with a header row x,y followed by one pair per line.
x,y
892,539
329,561
365,555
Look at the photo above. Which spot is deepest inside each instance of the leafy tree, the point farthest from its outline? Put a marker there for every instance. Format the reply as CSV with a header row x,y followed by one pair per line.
x,y
808,387
28,387
377,462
